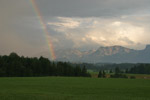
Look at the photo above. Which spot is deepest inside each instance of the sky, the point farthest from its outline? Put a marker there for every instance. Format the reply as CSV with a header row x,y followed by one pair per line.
x,y
81,24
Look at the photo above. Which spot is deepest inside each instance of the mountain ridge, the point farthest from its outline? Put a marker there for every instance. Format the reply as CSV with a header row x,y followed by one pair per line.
x,y
110,54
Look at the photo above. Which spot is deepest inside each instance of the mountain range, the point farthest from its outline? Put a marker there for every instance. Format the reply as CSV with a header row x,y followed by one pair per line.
x,y
110,54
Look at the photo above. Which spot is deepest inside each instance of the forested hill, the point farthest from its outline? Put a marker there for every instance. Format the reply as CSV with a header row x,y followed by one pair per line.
x,y
16,66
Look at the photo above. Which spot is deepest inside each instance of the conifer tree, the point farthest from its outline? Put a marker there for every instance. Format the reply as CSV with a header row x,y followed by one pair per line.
x,y
100,74
104,74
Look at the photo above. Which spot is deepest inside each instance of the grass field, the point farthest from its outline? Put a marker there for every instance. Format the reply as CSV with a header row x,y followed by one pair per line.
x,y
71,88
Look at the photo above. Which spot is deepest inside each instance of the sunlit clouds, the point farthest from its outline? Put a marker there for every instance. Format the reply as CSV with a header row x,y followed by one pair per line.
x,y
100,31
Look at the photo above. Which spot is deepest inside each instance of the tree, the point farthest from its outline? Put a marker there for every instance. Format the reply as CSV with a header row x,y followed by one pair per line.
x,y
111,71
77,71
127,70
100,74
84,71
104,74
118,74
117,70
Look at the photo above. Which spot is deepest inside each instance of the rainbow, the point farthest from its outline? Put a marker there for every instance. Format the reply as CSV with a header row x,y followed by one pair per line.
x,y
48,39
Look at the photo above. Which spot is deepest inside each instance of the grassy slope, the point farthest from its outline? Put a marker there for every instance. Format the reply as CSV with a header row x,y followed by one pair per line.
x,y
67,88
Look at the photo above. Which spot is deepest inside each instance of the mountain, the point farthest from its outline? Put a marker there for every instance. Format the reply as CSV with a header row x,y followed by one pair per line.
x,y
69,55
110,54
72,55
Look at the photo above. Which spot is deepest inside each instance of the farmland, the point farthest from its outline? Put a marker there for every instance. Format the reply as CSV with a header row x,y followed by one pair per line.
x,y
73,88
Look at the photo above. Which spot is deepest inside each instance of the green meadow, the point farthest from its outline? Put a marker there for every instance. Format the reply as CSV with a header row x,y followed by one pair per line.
x,y
73,88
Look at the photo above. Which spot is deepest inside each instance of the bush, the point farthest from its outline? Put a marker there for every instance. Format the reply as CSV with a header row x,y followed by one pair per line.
x,y
132,77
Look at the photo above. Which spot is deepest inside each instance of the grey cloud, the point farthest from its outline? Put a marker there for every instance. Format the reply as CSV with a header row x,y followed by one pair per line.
x,y
89,8
19,28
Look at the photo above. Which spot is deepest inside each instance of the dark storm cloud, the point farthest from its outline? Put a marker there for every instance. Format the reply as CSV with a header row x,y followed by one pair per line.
x,y
90,8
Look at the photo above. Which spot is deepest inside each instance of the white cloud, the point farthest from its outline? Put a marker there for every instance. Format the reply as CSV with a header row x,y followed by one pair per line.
x,y
65,23
100,31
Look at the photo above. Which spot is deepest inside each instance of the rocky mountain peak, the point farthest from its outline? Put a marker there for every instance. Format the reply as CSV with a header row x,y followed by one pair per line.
x,y
113,54
110,50
147,47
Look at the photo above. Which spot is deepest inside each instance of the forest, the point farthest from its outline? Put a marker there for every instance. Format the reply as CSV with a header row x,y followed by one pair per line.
x,y
20,66
16,66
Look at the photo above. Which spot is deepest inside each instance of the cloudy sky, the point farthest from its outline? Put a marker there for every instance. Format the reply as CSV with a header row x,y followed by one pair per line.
x,y
82,24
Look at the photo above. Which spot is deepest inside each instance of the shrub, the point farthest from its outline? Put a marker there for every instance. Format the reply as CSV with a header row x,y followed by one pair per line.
x,y
132,77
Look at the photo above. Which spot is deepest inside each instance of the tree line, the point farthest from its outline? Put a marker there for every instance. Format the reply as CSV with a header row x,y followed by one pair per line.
x,y
16,66
118,73
139,69
107,66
